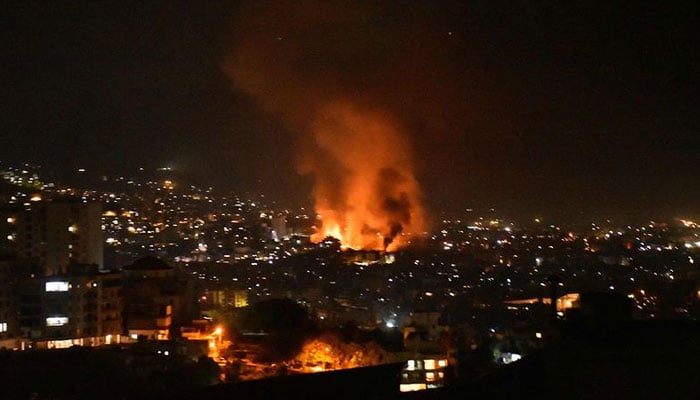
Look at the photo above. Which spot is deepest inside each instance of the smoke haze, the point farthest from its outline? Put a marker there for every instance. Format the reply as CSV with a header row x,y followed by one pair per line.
x,y
354,82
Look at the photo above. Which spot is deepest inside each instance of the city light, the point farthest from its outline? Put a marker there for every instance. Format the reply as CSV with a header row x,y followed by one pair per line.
x,y
57,286
56,321
235,258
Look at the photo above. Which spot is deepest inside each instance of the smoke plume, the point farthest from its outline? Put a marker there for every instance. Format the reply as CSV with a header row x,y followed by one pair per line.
x,y
335,74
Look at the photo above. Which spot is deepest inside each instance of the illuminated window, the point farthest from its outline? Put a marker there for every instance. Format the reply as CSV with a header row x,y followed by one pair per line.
x,y
3,326
430,376
411,365
58,286
442,363
429,364
56,321
60,344
412,387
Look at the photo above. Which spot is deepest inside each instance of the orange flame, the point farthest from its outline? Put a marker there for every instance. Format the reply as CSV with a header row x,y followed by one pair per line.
x,y
325,91
365,192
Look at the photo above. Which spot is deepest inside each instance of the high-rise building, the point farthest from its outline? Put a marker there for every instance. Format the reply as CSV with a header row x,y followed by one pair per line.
x,y
8,229
57,233
81,307
157,300
9,321
279,227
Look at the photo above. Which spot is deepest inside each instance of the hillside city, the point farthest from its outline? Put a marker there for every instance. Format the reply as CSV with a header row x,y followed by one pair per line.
x,y
160,277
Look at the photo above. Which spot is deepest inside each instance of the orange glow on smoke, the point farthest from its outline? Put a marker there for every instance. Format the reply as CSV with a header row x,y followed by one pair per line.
x,y
365,192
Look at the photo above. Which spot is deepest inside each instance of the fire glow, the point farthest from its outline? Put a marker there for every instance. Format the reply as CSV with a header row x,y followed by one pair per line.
x,y
365,192
347,106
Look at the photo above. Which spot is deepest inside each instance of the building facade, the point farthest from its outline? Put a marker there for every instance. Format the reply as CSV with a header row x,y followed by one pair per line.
x,y
9,307
54,234
82,307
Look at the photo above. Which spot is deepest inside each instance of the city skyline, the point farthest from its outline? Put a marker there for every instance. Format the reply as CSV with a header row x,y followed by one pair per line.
x,y
181,288
562,112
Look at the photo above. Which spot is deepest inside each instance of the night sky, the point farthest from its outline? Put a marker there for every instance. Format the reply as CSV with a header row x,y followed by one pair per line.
x,y
566,111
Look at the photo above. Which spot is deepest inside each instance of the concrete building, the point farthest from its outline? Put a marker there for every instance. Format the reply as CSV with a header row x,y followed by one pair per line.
x,y
8,229
9,308
423,373
157,302
82,307
279,227
230,297
54,234
422,332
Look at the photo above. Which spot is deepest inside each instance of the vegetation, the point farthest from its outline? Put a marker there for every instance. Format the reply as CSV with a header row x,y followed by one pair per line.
x,y
280,326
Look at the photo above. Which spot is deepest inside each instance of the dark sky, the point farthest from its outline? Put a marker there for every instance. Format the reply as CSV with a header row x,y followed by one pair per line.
x,y
568,110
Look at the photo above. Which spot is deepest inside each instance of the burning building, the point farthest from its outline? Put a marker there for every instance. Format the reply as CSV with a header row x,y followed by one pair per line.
x,y
328,90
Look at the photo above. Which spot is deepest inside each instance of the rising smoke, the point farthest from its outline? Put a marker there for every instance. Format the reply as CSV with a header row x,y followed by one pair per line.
x,y
376,197
351,80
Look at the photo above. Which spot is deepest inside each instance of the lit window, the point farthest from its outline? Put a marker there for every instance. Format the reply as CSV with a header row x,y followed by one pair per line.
x,y
429,364
56,321
411,365
429,376
58,286
442,363
3,326
412,387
